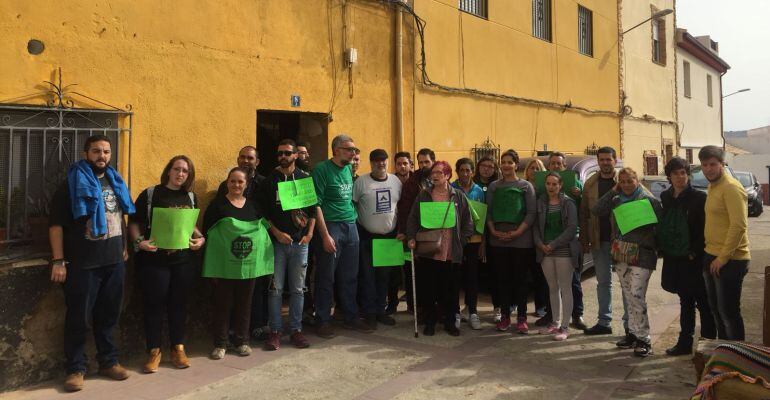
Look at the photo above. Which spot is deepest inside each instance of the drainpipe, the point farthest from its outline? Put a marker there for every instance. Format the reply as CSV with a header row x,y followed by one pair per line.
x,y
399,80
721,113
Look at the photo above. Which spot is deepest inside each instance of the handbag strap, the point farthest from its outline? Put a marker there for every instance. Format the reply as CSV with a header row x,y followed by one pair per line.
x,y
449,204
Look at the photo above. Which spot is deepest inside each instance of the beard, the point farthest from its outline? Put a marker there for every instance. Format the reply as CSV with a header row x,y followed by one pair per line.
x,y
303,164
286,163
97,169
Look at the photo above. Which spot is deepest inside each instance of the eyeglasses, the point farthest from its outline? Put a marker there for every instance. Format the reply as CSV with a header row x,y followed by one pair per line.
x,y
350,149
286,153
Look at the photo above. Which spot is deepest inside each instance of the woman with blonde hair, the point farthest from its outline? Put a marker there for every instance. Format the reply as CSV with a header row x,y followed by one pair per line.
x,y
533,166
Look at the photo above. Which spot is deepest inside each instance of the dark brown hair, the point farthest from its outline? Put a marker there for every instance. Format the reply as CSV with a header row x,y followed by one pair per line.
x,y
190,182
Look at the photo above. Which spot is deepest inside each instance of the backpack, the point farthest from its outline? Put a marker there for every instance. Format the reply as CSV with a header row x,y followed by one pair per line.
x,y
150,191
673,233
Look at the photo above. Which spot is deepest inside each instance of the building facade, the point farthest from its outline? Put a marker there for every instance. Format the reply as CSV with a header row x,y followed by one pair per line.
x,y
648,85
699,93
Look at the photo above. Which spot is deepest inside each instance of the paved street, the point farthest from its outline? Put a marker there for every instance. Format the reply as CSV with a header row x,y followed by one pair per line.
x,y
485,364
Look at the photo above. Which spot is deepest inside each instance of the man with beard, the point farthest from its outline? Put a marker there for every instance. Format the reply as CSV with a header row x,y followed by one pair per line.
x,y
404,166
303,157
418,181
88,248
291,231
248,158
337,249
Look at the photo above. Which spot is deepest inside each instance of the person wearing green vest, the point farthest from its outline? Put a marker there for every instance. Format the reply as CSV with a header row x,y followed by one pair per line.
x,y
338,250
238,250
681,241
557,162
510,215
558,249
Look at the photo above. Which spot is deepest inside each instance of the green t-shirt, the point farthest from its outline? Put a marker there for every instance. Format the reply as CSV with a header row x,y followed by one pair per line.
x,y
334,188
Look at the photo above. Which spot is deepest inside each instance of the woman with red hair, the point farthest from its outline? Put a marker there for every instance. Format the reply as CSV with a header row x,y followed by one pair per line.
x,y
439,247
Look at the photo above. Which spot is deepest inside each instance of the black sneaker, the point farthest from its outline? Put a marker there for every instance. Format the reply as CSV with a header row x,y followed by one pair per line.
x,y
429,330
259,334
578,323
386,320
628,341
643,349
371,320
544,320
598,330
679,349
358,325
391,308
451,330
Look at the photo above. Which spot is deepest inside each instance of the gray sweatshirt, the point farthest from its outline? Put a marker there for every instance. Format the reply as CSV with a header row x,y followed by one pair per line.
x,y
525,240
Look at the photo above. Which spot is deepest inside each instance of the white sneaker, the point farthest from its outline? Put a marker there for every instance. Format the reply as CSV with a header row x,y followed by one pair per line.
x,y
457,321
218,353
475,322
498,315
243,350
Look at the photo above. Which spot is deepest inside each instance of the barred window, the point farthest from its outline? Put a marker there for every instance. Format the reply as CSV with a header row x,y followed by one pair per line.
x,y
585,31
659,41
475,7
541,19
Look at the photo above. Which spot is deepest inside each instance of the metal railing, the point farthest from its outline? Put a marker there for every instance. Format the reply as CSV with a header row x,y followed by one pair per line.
x,y
475,7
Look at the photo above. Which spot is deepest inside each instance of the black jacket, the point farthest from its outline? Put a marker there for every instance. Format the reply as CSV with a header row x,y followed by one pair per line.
x,y
684,275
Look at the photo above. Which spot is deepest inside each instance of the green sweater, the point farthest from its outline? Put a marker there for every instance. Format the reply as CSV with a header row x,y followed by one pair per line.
x,y
334,188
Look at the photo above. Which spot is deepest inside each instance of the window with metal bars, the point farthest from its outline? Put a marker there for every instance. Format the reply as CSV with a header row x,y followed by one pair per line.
x,y
585,31
541,19
475,7
659,41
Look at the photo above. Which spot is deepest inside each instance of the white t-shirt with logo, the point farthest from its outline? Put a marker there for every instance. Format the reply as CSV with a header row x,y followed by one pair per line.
x,y
376,202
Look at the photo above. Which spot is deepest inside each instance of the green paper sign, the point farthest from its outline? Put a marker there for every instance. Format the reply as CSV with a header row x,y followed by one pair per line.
x,y
568,179
296,194
479,214
434,215
238,249
172,228
634,214
508,205
387,252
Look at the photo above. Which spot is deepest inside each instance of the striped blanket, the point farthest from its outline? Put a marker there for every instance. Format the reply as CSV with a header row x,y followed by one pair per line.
x,y
747,362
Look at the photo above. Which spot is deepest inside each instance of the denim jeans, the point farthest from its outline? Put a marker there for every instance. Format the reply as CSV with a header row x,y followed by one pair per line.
x,y
96,295
290,269
372,282
603,267
341,266
724,296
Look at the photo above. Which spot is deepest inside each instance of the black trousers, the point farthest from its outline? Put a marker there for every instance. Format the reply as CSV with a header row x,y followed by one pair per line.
x,y
470,276
259,302
165,290
512,266
440,287
235,295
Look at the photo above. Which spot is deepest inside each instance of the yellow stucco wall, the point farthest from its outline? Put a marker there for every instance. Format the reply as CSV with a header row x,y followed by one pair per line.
x,y
196,75
501,56
650,87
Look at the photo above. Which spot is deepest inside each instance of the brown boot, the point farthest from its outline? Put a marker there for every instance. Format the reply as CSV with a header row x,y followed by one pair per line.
x,y
153,360
179,358
74,382
116,372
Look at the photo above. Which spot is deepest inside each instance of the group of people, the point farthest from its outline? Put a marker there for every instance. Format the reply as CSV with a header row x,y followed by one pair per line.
x,y
260,244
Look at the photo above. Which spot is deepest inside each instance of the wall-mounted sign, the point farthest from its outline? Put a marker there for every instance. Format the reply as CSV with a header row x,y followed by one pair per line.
x,y
295,100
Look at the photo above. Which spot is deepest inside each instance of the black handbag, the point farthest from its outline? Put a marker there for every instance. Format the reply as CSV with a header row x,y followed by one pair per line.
x,y
429,241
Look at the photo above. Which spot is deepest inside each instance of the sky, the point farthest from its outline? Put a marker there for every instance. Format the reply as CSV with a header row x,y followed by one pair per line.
x,y
742,28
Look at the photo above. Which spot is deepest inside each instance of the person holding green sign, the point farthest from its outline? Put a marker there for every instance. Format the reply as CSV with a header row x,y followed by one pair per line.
x,y
166,276
558,250
375,196
511,213
633,251
474,250
438,266
235,256
291,229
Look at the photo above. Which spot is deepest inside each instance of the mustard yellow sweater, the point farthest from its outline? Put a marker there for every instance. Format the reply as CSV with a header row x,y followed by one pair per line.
x,y
727,220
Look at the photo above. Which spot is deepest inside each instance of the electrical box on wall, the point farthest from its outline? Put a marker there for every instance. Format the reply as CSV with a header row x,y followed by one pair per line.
x,y
351,56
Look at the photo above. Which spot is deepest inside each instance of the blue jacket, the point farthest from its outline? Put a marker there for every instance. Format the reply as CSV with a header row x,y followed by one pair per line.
x,y
86,195
476,193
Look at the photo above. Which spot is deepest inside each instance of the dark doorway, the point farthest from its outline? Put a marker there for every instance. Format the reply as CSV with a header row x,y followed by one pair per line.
x,y
274,126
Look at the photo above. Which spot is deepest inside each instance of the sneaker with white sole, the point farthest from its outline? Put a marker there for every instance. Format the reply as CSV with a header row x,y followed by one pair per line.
x,y
218,353
243,350
458,319
475,321
563,334
498,314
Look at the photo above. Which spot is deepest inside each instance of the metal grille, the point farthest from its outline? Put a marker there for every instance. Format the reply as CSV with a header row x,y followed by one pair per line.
x,y
37,145
656,50
585,31
475,7
488,148
541,19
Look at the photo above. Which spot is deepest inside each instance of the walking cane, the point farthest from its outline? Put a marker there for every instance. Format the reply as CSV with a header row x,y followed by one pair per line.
x,y
414,296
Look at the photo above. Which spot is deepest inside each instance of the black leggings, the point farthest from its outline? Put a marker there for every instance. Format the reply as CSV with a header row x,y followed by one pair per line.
x,y
439,288
512,266
470,276
165,288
